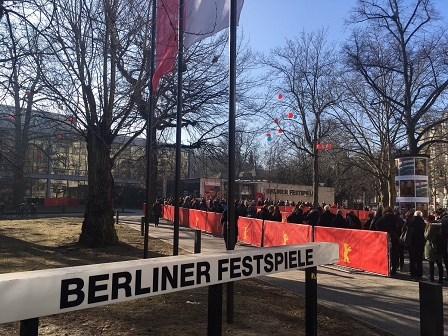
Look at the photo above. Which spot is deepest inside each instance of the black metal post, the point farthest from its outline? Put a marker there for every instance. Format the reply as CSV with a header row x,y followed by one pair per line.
x,y
29,327
117,214
311,301
431,309
231,217
180,60
142,226
214,323
149,130
197,241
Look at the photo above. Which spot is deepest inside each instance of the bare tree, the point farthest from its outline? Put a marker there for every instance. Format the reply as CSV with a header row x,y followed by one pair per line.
x,y
21,57
404,42
90,41
305,72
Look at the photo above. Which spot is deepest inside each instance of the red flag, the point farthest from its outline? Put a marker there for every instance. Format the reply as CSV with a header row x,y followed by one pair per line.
x,y
166,41
203,18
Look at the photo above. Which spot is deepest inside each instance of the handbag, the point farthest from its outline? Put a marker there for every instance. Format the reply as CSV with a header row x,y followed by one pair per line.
x,y
406,235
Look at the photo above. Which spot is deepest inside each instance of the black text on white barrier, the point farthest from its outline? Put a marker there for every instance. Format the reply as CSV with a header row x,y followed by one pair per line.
x,y
32,294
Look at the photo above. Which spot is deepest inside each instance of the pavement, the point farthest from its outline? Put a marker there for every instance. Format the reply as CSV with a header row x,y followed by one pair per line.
x,y
390,304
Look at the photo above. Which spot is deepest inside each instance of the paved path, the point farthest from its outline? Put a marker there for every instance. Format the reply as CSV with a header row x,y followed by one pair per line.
x,y
391,304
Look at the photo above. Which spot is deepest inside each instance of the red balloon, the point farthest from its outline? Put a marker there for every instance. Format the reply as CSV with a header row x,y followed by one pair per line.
x,y
328,146
290,115
276,120
11,117
280,130
268,134
59,136
319,146
69,120
280,96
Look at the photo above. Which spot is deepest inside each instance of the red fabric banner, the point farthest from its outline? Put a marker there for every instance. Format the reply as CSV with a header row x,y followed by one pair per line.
x,y
168,212
197,219
213,223
184,216
365,250
250,230
277,234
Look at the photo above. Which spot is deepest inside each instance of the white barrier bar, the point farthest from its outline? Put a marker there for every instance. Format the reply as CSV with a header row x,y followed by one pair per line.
x,y
33,294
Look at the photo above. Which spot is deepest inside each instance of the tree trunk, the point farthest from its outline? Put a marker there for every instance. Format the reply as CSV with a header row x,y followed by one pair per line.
x,y
315,178
98,225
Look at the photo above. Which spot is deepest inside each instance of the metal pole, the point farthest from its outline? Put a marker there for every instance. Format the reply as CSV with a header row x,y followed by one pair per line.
x,y
180,56
29,327
231,217
311,301
149,130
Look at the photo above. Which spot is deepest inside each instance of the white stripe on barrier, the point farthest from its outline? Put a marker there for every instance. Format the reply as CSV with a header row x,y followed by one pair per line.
x,y
32,294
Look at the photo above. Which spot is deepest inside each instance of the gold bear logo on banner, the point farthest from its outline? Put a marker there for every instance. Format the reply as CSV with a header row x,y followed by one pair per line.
x,y
246,231
347,249
285,238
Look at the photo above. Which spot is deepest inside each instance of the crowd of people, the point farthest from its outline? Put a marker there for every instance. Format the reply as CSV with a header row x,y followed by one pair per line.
x,y
428,236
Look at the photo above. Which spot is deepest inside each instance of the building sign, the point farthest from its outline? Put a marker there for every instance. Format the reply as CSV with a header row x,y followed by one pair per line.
x,y
33,294
289,192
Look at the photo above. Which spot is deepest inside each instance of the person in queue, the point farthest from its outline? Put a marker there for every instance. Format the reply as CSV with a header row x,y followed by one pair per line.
x,y
313,216
276,214
389,223
264,213
417,247
434,247
400,224
353,221
442,217
326,217
339,221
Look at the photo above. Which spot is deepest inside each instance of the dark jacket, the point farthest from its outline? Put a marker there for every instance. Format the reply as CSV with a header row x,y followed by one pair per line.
x,y
264,214
418,240
296,216
353,221
242,210
252,211
326,218
157,209
339,222
313,217
389,223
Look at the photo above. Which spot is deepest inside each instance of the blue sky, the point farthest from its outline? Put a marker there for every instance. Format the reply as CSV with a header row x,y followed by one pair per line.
x,y
267,22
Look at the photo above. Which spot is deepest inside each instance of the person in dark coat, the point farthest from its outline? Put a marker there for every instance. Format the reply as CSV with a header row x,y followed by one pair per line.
x,y
313,217
339,221
378,215
157,211
400,224
276,214
417,246
353,221
241,209
443,218
225,225
264,213
252,210
389,223
369,221
326,217
296,216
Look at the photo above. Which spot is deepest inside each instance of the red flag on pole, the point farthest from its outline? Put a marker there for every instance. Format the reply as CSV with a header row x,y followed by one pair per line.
x,y
203,18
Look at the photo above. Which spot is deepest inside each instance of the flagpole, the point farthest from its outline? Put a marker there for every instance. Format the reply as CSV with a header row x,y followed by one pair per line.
x,y
180,56
231,179
149,129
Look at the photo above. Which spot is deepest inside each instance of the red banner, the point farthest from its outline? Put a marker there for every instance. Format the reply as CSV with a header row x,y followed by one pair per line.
x,y
168,212
197,219
277,234
184,216
365,250
250,230
213,223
